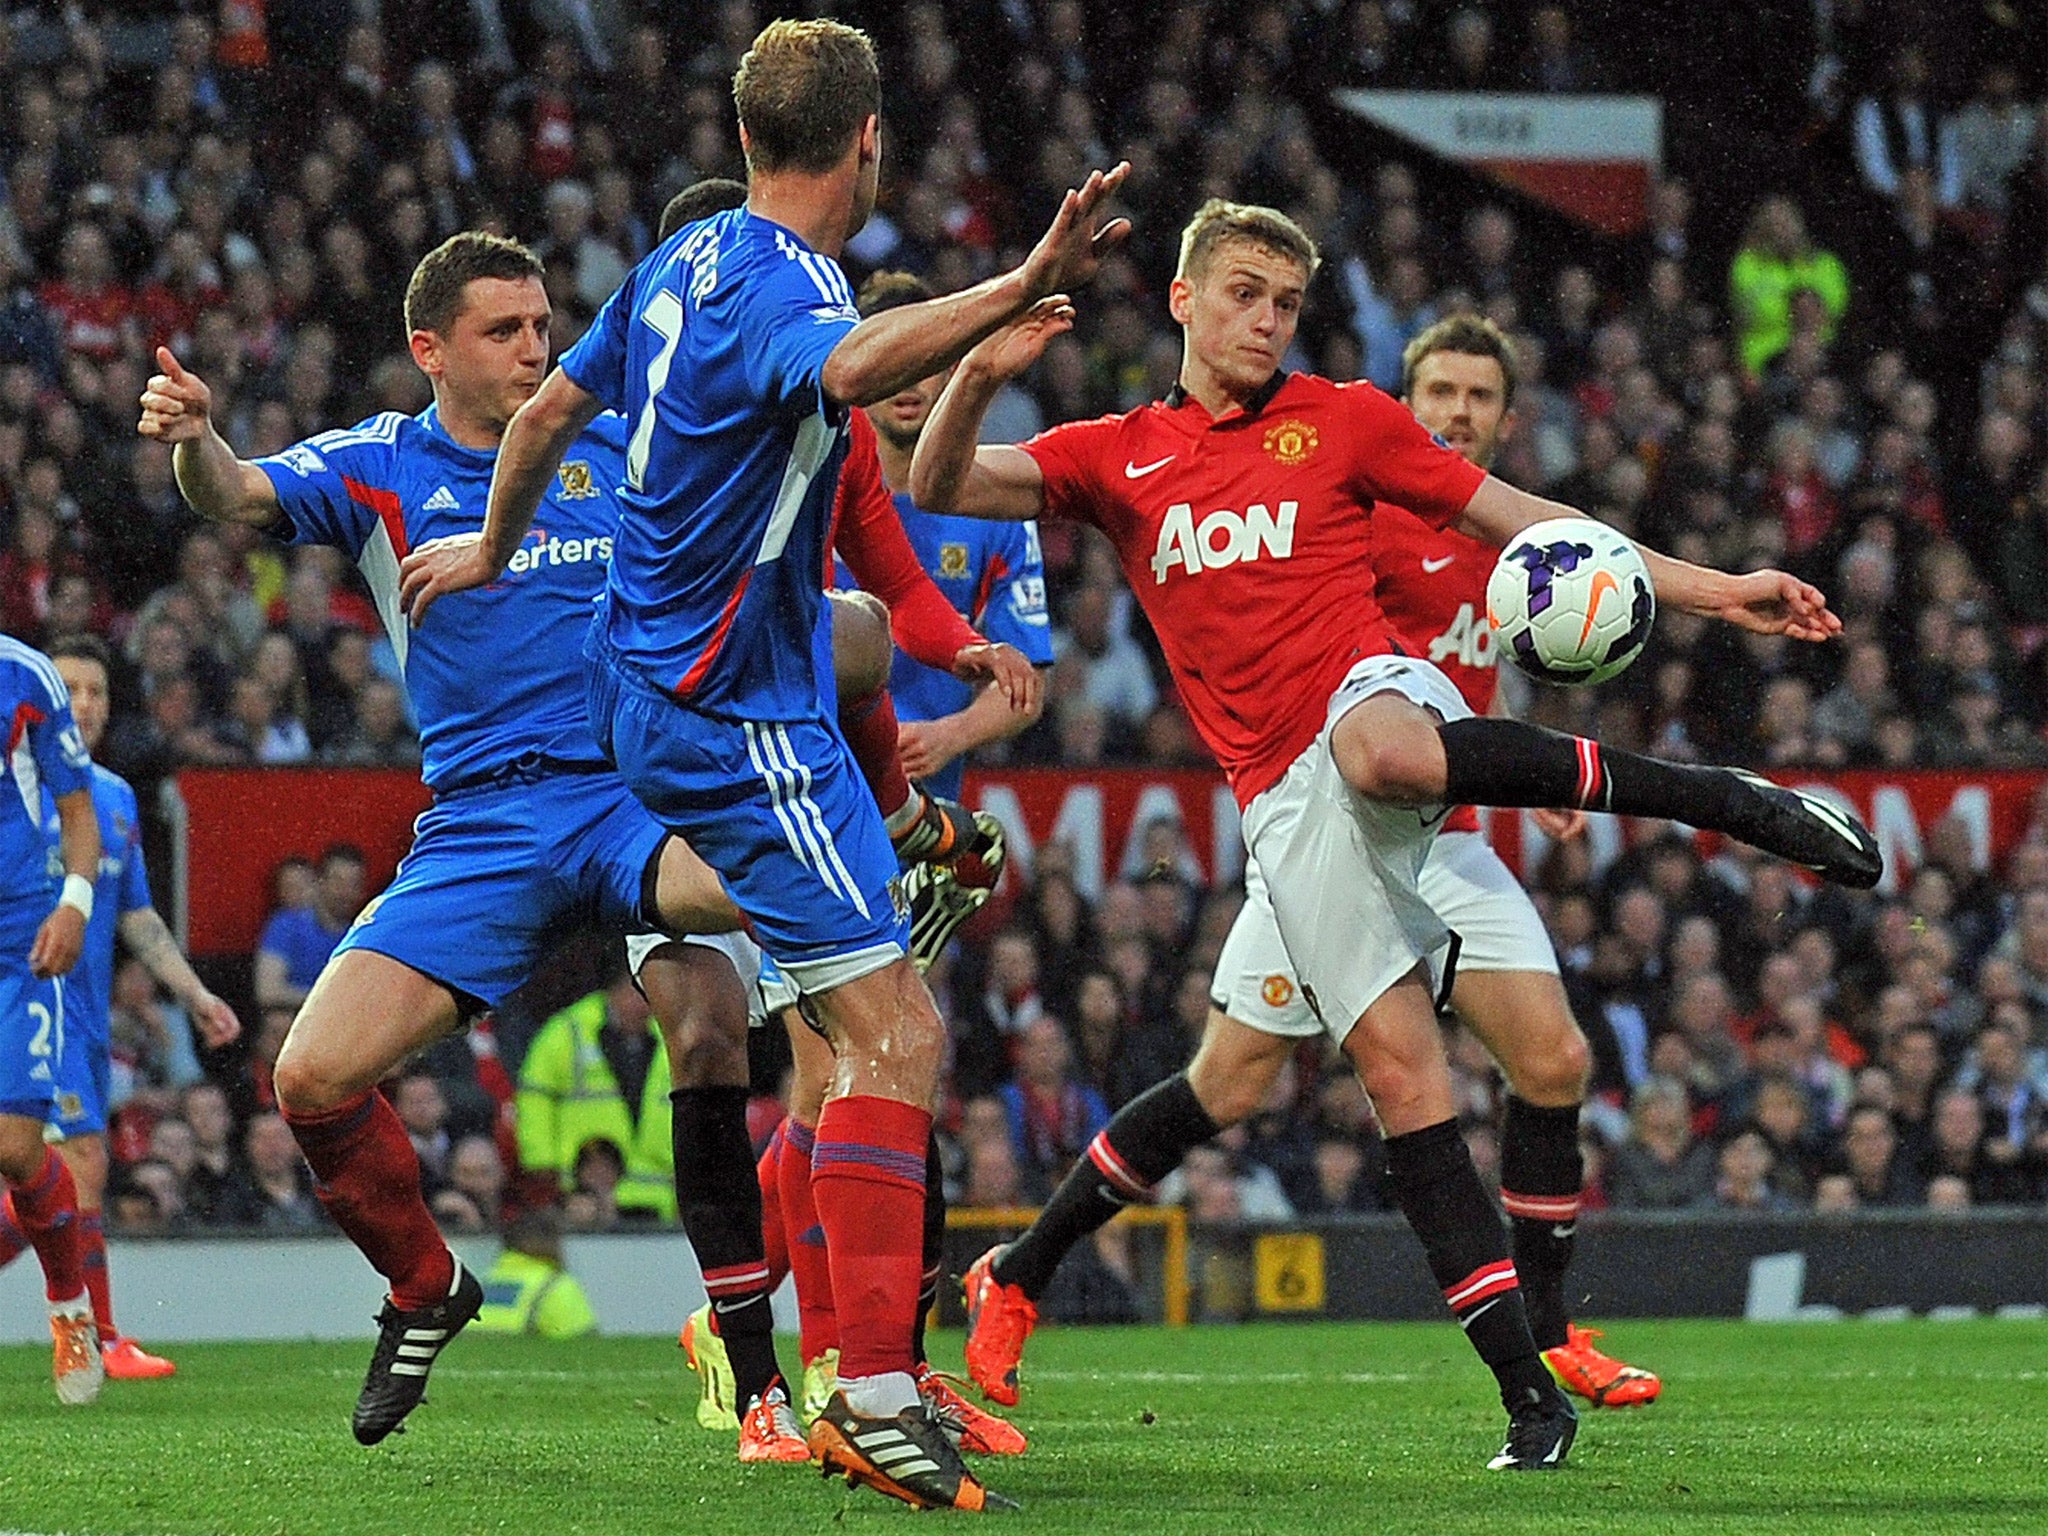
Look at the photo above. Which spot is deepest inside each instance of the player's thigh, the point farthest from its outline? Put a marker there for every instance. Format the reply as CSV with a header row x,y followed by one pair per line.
x,y
364,1016
1398,1053
885,1034
700,1003
1236,1064
21,1146
688,895
811,1068
1507,989
862,650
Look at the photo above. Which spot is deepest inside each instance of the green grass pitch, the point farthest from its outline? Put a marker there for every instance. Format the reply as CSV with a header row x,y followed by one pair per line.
x,y
1857,1427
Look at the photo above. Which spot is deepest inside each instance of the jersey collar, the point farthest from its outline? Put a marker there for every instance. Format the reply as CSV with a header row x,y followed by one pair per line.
x,y
1256,402
430,418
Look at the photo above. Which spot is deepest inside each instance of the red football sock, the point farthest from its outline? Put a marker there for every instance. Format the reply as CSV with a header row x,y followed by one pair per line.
x,y
47,1209
804,1241
93,1231
869,725
774,1240
12,1243
868,1176
368,1176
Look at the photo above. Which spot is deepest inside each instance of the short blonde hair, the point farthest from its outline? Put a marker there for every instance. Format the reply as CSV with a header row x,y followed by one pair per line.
x,y
1217,221
803,92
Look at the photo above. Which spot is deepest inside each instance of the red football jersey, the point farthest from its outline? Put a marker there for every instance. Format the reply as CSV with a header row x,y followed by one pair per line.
x,y
1432,587
1247,538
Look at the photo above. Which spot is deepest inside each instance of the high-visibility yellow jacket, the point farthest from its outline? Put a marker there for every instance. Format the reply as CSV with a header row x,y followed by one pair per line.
x,y
568,1097
523,1294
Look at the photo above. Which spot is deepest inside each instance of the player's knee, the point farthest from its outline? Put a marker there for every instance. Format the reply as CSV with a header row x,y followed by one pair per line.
x,y
861,647
1389,756
1554,1071
704,1055
304,1085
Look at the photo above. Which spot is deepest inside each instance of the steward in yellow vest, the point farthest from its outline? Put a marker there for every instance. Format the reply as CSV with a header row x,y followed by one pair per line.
x,y
528,1291
598,1071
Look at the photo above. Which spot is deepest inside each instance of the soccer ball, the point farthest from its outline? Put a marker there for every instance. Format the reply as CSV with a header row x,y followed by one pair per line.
x,y
1571,601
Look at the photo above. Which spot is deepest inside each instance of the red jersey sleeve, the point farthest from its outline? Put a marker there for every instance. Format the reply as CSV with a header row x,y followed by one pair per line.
x,y
1395,458
1071,457
869,537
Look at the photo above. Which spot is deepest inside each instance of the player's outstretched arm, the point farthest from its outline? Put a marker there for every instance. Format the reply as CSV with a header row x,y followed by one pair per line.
x,y
926,746
893,350
150,940
1766,602
61,939
177,408
950,471
539,433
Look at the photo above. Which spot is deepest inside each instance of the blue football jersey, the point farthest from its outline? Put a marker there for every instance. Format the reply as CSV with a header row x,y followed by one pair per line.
x,y
714,349
496,675
45,754
993,574
122,887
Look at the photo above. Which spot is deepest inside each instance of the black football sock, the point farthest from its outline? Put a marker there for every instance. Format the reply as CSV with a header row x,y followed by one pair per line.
x,y
1540,1177
719,1199
934,1246
1514,763
1439,1192
1141,1146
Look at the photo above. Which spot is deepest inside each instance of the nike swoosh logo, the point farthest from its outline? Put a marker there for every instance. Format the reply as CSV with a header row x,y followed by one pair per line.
x,y
1135,472
1433,566
1603,583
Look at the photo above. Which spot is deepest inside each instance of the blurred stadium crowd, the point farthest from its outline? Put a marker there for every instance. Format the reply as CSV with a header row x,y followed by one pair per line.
x,y
1828,348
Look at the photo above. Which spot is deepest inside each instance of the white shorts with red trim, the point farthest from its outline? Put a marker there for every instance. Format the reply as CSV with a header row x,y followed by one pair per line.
x,y
1342,872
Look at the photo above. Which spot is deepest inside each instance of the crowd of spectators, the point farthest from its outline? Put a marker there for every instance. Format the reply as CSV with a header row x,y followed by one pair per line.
x,y
1843,368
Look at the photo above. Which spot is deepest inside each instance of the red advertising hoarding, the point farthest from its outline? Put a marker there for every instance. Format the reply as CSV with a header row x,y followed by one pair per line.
x,y
238,824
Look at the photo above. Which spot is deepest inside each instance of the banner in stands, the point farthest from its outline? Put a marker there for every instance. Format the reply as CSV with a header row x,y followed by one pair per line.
x,y
1590,157
232,826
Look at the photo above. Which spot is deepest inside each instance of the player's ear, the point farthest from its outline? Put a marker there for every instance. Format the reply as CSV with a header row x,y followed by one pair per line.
x,y
870,140
1179,300
425,347
1508,419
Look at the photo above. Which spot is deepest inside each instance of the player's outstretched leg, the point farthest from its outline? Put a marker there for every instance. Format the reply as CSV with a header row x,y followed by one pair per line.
x,y
1512,763
45,1206
701,1006
943,897
367,1013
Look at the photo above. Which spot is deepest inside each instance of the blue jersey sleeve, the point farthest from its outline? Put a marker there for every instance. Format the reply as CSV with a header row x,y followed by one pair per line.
x,y
134,873
62,763
597,363
1015,611
337,487
790,318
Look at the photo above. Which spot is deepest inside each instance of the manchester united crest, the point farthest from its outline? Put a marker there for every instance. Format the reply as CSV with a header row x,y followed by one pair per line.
x,y
1278,991
1291,442
576,482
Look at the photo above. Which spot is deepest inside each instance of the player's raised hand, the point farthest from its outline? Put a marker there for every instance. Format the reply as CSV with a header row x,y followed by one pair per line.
x,y
177,406
1775,603
1014,348
439,567
1070,252
59,943
216,1022
1005,666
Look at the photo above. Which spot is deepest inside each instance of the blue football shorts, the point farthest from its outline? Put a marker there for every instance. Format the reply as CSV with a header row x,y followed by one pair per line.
x,y
779,809
31,1039
496,869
